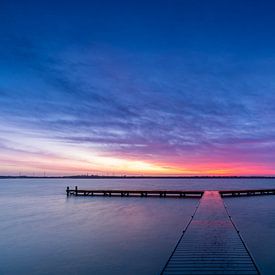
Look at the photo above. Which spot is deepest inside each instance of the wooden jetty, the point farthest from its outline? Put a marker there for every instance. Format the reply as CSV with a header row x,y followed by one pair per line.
x,y
210,243
164,193
249,192
132,193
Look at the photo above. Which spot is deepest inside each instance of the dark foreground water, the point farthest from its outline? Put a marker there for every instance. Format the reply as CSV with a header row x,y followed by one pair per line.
x,y
44,232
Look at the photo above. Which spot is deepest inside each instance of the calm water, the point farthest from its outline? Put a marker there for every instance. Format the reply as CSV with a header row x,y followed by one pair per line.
x,y
44,232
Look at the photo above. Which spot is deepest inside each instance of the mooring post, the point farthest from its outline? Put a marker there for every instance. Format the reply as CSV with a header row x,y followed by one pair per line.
x,y
76,191
68,190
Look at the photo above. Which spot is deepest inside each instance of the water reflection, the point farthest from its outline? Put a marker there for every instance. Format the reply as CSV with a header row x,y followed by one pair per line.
x,y
43,232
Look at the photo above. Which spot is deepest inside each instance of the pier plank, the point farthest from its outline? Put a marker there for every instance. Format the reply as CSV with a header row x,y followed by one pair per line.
x,y
210,244
132,193
248,192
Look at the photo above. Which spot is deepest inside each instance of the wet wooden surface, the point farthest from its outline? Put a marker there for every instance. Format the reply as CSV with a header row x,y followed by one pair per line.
x,y
132,193
211,244
249,192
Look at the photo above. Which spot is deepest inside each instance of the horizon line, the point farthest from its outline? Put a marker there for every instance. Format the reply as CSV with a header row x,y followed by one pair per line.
x,y
134,176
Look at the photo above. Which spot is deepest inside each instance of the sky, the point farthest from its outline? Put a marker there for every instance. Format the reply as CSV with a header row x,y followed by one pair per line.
x,y
137,87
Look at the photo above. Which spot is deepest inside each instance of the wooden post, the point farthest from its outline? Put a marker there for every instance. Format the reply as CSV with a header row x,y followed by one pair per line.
x,y
68,190
76,191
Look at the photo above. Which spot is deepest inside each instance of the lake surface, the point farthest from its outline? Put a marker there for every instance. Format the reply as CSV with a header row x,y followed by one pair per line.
x,y
44,232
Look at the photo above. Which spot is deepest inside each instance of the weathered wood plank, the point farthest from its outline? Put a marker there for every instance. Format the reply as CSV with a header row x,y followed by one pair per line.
x,y
247,192
141,193
210,244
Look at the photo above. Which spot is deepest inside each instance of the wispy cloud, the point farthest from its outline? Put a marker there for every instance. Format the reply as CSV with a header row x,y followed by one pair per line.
x,y
87,103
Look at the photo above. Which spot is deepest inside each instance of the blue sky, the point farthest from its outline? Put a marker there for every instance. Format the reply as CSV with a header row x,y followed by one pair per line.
x,y
137,87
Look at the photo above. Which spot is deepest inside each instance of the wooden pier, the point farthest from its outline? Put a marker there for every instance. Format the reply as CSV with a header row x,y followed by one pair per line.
x,y
249,192
210,243
134,193
164,193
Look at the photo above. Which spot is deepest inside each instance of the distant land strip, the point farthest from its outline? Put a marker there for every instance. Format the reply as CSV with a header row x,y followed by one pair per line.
x,y
135,177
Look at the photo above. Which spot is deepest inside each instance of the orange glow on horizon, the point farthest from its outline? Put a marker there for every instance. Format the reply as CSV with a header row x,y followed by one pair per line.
x,y
58,158
54,165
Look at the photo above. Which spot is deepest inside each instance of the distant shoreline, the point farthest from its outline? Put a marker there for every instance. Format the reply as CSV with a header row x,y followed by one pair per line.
x,y
136,177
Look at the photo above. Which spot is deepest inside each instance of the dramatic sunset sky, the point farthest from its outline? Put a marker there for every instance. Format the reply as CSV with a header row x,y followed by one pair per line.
x,y
137,87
